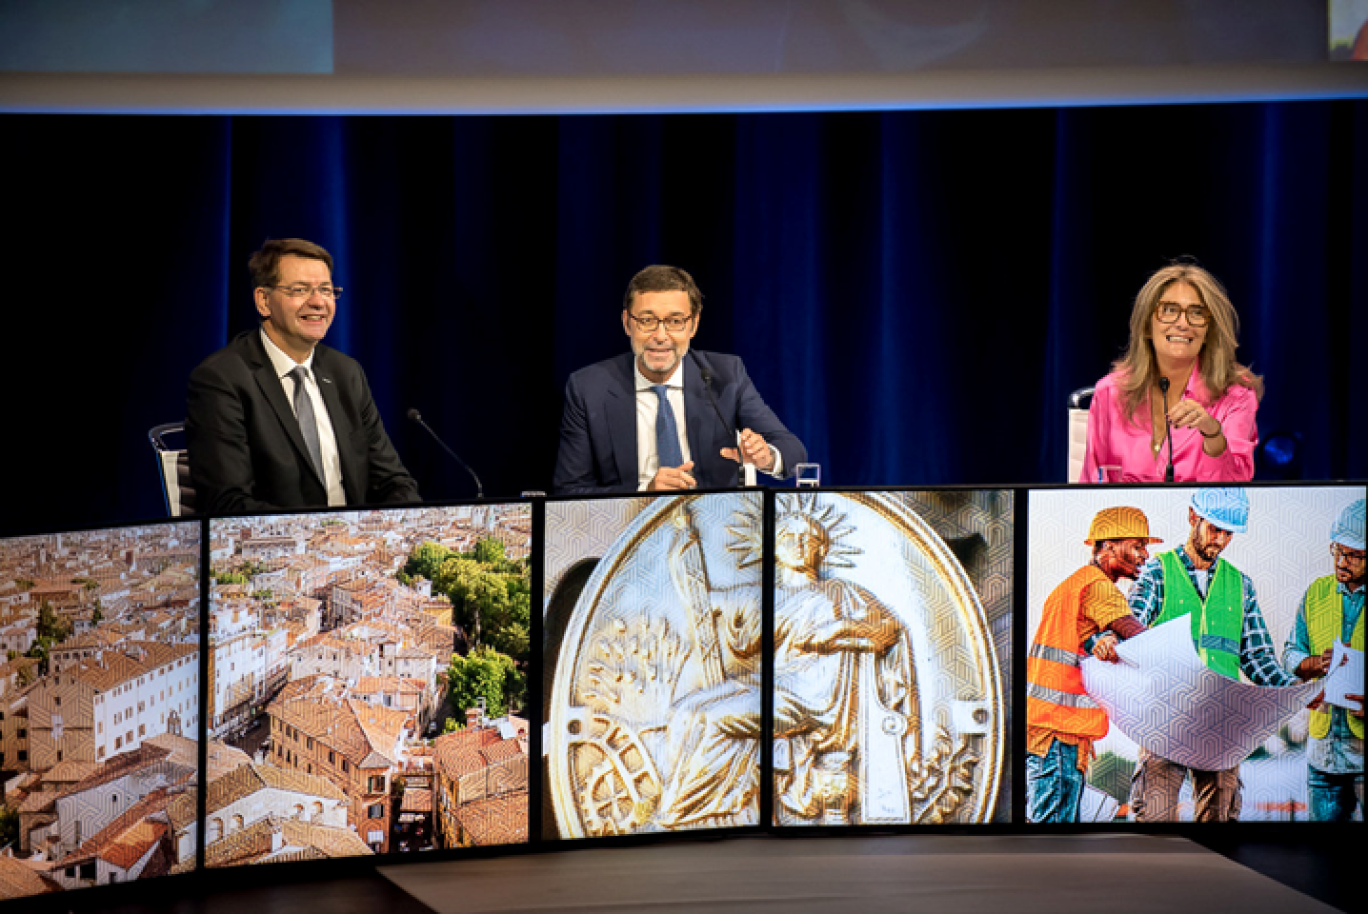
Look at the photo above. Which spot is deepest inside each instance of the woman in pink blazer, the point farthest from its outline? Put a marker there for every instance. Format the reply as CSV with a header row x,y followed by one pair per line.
x,y
1183,332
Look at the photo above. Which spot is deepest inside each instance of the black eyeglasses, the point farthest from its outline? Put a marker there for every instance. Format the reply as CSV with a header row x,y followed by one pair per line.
x,y
1168,312
649,322
301,290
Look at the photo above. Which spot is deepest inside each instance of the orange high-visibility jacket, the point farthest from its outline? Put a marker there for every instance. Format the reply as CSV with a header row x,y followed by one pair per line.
x,y
1055,698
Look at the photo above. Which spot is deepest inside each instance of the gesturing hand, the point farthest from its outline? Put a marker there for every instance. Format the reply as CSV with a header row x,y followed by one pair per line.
x,y
672,478
754,449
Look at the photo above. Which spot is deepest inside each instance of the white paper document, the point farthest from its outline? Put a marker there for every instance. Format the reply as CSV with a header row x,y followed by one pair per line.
x,y
1163,697
1345,677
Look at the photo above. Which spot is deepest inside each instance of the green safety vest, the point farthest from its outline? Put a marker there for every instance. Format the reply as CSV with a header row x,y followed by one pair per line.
x,y
1218,622
1324,626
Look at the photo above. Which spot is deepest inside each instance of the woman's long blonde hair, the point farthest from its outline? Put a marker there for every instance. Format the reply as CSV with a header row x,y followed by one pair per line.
x,y
1136,370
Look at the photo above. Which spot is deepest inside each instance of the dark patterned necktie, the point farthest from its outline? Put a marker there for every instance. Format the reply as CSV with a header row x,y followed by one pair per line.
x,y
308,422
667,433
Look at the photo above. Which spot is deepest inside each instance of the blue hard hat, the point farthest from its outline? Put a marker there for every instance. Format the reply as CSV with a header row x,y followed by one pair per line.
x,y
1348,528
1224,508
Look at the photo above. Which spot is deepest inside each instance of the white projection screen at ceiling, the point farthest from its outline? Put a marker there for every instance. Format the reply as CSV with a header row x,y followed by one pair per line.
x,y
567,56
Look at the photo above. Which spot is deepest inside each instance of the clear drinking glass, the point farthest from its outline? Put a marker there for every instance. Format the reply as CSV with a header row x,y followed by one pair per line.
x,y
1109,473
808,475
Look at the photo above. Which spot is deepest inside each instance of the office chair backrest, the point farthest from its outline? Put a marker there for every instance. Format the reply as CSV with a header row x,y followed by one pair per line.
x,y
173,465
1079,402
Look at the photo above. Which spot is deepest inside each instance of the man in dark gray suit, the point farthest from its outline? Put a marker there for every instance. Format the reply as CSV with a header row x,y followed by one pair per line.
x,y
663,418
276,420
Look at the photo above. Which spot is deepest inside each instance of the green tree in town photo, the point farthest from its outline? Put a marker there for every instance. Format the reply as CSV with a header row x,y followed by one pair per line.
x,y
490,594
485,673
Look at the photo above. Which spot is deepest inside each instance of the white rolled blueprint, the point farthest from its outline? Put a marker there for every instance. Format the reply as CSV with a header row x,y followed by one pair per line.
x,y
1163,697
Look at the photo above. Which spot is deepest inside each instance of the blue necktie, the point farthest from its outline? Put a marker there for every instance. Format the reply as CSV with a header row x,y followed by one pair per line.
x,y
308,423
667,433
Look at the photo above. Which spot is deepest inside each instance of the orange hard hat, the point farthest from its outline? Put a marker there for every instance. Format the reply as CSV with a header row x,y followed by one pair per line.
x,y
1120,524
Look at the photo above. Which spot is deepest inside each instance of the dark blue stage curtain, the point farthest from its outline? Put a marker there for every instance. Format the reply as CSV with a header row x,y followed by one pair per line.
x,y
914,292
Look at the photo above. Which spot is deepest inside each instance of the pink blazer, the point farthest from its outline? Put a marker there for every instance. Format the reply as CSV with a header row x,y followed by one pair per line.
x,y
1116,441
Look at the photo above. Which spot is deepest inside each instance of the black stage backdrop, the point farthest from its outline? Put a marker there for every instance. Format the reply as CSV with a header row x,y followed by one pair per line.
x,y
915,293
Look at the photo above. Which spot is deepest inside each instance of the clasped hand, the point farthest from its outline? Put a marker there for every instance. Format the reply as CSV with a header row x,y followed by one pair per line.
x,y
1191,414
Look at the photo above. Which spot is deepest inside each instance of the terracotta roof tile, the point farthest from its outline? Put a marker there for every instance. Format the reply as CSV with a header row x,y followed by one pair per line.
x,y
463,752
126,762
116,666
300,841
69,772
18,879
317,686
40,801
330,640
183,809
499,820
417,800
364,734
246,780
130,846
124,841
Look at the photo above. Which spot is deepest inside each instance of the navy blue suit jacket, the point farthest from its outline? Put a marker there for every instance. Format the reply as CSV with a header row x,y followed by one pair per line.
x,y
598,443
247,452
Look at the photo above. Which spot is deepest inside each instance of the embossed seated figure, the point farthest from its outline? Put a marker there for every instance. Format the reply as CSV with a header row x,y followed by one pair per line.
x,y
846,717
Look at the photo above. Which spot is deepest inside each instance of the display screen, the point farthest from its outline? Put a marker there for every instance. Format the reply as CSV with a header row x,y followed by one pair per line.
x,y
100,702
1348,32
370,667
653,615
1190,654
167,36
596,56
1202,716
892,637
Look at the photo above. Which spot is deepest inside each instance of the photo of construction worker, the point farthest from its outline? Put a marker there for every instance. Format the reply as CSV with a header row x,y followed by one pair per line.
x,y
1331,611
1228,631
1085,613
1238,566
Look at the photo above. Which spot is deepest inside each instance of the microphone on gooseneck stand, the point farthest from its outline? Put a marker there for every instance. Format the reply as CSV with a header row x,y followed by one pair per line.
x,y
418,418
706,373
1163,389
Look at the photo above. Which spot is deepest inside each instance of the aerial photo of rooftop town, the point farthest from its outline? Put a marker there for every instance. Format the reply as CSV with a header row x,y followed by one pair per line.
x,y
99,706
366,671
368,666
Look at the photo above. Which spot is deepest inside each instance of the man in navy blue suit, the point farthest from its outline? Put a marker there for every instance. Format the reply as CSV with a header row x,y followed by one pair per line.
x,y
660,417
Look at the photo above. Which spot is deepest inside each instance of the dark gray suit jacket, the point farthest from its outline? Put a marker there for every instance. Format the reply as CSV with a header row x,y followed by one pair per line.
x,y
598,443
247,452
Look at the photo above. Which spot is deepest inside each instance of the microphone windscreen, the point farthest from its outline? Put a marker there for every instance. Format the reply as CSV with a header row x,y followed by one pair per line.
x,y
414,415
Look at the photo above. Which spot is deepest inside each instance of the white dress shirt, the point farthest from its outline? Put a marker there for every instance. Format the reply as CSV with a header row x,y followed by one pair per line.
x,y
327,438
648,457
647,405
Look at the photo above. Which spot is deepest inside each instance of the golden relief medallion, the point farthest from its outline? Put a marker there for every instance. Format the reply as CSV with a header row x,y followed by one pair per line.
x,y
887,699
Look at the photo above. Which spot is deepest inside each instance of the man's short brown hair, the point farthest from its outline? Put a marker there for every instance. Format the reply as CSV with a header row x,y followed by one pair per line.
x,y
661,278
265,263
